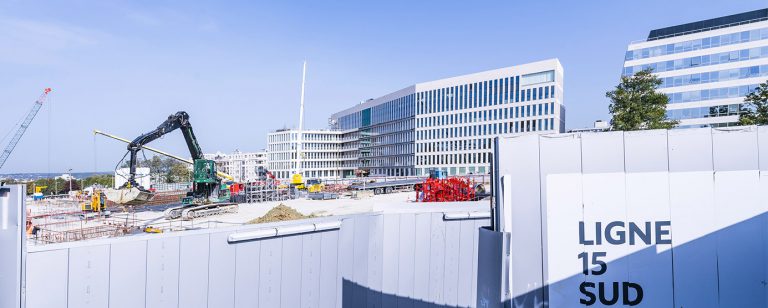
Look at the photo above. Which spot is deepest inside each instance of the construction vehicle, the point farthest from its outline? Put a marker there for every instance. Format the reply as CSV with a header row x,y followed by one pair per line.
x,y
23,128
95,205
38,195
208,196
315,185
297,181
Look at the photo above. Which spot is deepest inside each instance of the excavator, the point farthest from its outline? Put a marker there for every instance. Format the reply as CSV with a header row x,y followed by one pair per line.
x,y
207,197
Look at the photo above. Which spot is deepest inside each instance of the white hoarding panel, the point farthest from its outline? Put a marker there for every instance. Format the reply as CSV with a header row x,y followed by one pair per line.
x,y
645,151
739,204
564,213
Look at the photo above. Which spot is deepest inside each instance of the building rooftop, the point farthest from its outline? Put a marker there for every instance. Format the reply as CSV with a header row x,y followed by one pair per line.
x,y
709,24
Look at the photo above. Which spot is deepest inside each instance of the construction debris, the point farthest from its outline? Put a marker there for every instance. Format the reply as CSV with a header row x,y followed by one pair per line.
x,y
280,213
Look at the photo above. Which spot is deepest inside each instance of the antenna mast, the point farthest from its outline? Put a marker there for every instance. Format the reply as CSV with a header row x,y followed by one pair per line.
x,y
300,134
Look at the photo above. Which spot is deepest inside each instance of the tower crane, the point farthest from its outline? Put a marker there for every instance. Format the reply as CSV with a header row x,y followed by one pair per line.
x,y
23,128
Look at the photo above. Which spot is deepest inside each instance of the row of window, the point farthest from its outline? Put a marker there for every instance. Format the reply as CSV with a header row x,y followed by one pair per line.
x,y
704,112
708,94
454,170
702,43
481,94
398,108
454,145
489,115
488,129
455,159
718,58
723,75
393,161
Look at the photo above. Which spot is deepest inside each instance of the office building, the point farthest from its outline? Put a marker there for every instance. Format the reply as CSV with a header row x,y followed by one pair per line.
x,y
243,167
447,124
706,67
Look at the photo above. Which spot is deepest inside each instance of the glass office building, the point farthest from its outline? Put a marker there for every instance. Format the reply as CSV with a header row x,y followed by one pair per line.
x,y
706,67
449,124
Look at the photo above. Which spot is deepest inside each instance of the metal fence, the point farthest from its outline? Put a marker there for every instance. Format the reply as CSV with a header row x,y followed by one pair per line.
x,y
420,256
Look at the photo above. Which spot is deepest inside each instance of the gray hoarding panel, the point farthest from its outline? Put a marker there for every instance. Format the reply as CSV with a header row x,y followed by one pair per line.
x,y
422,257
646,151
475,252
740,208
247,262
360,267
193,270
522,162
221,273
290,280
270,266
375,265
391,249
762,141
451,276
128,274
695,250
466,243
735,149
47,279
690,149
88,276
329,279
12,252
346,262
437,260
490,269
310,270
163,272
405,260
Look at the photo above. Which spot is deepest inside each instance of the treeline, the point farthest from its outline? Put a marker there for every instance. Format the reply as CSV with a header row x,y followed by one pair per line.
x,y
165,170
51,186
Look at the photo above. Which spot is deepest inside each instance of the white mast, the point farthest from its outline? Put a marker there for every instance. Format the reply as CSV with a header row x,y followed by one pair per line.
x,y
299,153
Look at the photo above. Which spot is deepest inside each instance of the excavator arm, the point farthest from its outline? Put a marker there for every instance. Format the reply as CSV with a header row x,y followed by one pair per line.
x,y
179,120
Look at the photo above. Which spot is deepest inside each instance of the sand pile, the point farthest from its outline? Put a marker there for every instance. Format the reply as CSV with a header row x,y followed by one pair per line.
x,y
280,213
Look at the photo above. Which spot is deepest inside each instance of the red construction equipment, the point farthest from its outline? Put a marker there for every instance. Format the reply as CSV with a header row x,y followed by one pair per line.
x,y
445,190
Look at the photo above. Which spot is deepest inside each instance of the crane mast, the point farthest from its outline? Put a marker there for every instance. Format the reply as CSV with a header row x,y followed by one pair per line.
x,y
23,128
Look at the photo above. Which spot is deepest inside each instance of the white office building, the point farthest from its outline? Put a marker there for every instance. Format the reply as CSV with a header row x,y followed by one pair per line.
x,y
321,155
457,118
243,167
706,67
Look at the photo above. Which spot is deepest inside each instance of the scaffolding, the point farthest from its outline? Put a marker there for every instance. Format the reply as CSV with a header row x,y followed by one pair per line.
x,y
268,190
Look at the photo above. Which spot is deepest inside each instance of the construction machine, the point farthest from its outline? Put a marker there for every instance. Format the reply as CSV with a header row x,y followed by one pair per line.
x,y
207,197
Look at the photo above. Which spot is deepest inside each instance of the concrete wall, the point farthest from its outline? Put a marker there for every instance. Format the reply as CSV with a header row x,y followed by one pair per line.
x,y
408,259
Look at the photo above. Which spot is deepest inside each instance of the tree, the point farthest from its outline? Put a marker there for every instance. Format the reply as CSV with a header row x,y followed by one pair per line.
x,y
754,111
636,105
178,173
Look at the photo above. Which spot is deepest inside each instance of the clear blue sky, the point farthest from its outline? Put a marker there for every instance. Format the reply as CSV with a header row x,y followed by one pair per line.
x,y
236,66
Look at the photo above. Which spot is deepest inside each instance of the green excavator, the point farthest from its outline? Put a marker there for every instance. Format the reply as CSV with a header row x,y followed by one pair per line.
x,y
208,195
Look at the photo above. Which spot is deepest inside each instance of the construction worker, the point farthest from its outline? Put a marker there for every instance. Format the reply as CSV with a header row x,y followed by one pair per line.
x,y
31,229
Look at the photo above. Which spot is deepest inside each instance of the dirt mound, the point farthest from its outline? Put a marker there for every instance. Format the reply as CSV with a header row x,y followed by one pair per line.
x,y
280,213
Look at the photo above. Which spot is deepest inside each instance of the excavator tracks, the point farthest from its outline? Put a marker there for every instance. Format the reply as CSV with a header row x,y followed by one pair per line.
x,y
199,211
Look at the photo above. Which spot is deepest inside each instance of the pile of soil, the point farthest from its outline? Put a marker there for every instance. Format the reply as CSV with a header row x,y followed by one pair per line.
x,y
280,213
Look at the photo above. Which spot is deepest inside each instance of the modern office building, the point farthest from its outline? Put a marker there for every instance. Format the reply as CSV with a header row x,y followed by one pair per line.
x,y
447,124
321,155
241,166
706,67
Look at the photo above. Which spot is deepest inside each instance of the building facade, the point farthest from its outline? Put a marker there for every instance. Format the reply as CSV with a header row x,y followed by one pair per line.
x,y
457,118
447,124
706,67
321,155
243,167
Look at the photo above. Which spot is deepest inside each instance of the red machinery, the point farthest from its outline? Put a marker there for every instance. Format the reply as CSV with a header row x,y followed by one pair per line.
x,y
445,190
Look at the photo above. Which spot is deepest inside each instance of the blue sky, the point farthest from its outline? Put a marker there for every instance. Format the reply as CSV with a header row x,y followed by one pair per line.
x,y
235,66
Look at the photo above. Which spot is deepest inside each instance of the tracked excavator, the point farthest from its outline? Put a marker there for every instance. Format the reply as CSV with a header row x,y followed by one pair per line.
x,y
207,197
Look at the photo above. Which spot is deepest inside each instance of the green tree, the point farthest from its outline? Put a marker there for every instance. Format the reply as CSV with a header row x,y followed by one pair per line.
x,y
179,172
754,111
636,105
